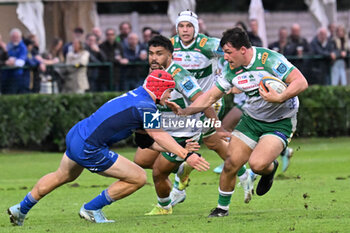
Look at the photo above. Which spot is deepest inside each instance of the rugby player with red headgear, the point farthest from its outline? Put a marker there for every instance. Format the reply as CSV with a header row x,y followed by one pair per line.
x,y
88,145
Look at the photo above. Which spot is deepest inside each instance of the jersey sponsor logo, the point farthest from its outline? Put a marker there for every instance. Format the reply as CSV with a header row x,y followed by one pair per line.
x,y
152,120
177,49
176,71
177,59
264,57
188,58
197,49
251,78
259,68
243,81
203,42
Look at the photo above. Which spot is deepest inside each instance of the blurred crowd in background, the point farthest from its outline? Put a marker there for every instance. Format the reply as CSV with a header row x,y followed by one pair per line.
x,y
113,60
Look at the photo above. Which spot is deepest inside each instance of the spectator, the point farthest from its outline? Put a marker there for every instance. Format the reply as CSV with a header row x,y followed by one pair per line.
x,y
96,56
297,45
35,43
114,54
56,50
332,27
202,27
253,34
3,57
241,25
338,70
3,52
13,81
124,30
134,52
76,80
78,34
280,44
147,35
155,33
34,64
98,33
322,45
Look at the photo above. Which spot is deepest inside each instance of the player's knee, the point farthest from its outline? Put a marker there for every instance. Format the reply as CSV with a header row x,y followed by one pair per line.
x,y
229,166
142,179
138,178
257,166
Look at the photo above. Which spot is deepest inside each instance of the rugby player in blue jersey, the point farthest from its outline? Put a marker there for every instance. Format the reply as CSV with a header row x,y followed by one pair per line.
x,y
88,145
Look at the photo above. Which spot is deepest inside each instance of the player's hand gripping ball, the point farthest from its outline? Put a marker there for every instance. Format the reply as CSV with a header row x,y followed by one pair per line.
x,y
278,85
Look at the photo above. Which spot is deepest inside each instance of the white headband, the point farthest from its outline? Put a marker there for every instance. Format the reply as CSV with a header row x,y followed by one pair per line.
x,y
188,16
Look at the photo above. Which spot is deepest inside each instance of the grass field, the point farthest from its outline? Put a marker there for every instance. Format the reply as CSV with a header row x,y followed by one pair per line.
x,y
312,196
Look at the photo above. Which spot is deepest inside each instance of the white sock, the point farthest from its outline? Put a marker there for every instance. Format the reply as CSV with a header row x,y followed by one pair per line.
x,y
223,207
180,171
244,176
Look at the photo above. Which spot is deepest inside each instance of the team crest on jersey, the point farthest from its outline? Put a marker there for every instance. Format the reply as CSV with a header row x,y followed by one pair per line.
x,y
280,69
175,72
203,42
187,85
264,57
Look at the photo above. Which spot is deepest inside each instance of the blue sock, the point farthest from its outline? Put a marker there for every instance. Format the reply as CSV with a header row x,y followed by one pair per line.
x,y
99,202
27,203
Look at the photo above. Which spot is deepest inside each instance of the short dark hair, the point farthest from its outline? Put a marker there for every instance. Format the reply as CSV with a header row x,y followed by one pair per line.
x,y
237,37
78,30
161,41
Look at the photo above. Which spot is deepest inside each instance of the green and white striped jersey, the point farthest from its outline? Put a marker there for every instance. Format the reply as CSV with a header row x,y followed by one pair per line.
x,y
265,62
186,87
199,58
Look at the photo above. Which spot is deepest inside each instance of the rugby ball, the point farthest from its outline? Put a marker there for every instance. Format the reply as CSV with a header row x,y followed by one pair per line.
x,y
278,85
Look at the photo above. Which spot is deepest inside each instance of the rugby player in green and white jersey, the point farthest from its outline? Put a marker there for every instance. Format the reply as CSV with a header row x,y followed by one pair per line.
x,y
231,120
198,54
186,90
269,118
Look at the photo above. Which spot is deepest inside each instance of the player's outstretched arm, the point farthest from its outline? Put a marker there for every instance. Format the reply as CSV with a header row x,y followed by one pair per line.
x,y
167,142
200,104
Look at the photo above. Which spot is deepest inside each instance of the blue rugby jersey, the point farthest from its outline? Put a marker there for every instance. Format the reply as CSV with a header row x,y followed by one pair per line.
x,y
116,119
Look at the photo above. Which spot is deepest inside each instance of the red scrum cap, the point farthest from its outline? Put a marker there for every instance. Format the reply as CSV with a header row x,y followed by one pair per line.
x,y
158,81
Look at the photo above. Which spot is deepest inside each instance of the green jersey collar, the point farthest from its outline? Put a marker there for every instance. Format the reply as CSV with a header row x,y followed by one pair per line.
x,y
188,46
171,64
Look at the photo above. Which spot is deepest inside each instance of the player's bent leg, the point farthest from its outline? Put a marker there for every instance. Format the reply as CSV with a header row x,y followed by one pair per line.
x,y
145,157
231,119
67,172
161,170
238,152
131,178
214,142
262,161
